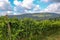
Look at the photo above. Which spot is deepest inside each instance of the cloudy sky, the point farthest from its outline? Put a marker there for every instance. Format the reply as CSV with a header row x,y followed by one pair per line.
x,y
28,6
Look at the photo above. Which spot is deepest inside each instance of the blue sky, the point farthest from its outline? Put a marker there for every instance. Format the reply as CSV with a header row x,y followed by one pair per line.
x,y
36,2
28,6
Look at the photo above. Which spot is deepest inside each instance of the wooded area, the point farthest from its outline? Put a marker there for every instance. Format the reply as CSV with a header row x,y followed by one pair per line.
x,y
27,29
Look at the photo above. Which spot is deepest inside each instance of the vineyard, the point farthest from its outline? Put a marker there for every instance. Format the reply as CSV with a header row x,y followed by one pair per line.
x,y
28,29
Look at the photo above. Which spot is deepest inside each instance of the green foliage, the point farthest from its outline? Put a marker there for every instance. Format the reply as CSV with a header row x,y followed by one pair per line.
x,y
27,29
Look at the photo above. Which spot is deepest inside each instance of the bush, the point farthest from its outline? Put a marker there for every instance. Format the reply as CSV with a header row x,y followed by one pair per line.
x,y
27,29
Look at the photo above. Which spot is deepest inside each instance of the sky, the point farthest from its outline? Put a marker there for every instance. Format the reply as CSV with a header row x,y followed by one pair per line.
x,y
28,6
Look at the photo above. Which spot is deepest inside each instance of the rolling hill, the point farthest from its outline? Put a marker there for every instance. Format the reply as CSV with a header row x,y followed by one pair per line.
x,y
38,16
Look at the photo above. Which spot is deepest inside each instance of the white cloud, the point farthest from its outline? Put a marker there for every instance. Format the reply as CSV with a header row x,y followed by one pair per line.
x,y
55,0
26,3
19,9
5,5
17,3
37,7
26,6
5,13
55,7
24,10
50,0
34,10
1,4
44,0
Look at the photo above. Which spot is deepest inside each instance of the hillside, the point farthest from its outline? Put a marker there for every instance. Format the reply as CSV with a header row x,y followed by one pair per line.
x,y
38,16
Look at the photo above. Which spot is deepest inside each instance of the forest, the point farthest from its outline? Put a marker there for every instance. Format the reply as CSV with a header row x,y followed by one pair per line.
x,y
28,29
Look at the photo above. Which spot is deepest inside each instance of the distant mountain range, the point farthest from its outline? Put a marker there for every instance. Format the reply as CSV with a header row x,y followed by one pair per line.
x,y
38,16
